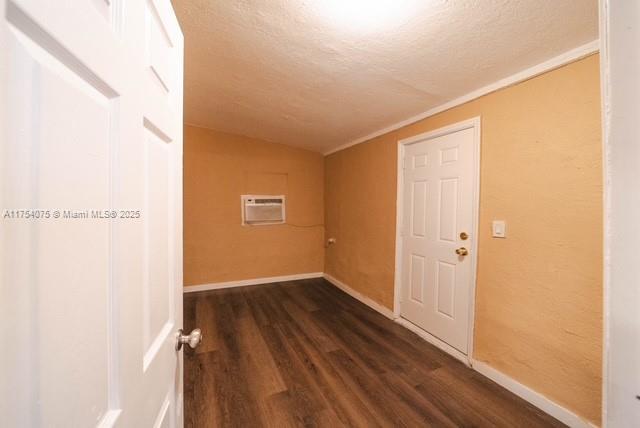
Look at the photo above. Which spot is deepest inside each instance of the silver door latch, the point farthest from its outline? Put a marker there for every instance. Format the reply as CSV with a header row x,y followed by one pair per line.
x,y
193,339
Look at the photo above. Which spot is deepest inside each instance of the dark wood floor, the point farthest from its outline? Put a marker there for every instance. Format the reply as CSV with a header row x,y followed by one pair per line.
x,y
304,353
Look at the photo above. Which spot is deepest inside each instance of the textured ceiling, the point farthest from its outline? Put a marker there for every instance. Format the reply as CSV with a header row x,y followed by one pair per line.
x,y
290,71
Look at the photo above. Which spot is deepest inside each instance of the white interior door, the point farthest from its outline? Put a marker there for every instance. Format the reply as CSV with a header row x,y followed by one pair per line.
x,y
91,170
439,182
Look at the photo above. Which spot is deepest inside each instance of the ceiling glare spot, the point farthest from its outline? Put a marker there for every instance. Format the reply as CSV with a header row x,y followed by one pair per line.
x,y
366,15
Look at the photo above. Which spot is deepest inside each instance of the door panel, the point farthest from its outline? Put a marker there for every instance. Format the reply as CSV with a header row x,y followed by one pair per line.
x,y
157,286
438,195
445,288
417,277
90,301
161,148
419,214
447,209
51,91
159,47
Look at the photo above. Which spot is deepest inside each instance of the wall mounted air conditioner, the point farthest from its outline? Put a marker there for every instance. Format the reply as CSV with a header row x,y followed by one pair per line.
x,y
262,209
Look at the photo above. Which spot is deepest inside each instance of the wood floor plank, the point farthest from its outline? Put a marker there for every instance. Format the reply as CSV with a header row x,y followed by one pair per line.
x,y
360,384
266,379
205,314
297,293
347,407
304,353
313,330
306,397
356,345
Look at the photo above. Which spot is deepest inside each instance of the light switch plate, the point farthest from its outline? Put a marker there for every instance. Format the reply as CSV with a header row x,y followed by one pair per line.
x,y
499,229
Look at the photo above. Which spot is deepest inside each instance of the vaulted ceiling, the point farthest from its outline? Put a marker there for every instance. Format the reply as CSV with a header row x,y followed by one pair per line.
x,y
319,73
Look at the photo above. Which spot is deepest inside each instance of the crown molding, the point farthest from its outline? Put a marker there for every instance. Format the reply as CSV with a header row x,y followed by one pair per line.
x,y
544,67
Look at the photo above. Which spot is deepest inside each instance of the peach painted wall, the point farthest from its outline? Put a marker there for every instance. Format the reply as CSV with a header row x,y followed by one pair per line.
x,y
220,167
539,292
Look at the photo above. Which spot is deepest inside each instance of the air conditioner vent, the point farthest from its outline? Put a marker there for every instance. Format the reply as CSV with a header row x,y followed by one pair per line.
x,y
264,209
268,201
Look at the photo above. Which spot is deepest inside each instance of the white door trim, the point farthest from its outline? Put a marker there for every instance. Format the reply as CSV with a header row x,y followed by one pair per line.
x,y
619,65
473,123
246,282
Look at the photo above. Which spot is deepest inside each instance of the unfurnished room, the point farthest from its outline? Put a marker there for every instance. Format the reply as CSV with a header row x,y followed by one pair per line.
x,y
320,213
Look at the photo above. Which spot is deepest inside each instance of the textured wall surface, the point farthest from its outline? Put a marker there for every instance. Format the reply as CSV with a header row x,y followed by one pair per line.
x,y
539,292
218,168
313,73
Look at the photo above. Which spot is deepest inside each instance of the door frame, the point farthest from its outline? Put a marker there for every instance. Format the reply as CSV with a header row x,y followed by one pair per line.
x,y
619,62
475,124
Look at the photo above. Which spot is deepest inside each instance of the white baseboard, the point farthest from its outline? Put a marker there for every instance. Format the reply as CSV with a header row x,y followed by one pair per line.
x,y
540,401
434,340
245,282
359,296
548,406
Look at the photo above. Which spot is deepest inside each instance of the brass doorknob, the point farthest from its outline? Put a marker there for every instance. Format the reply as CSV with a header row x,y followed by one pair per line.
x,y
462,251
